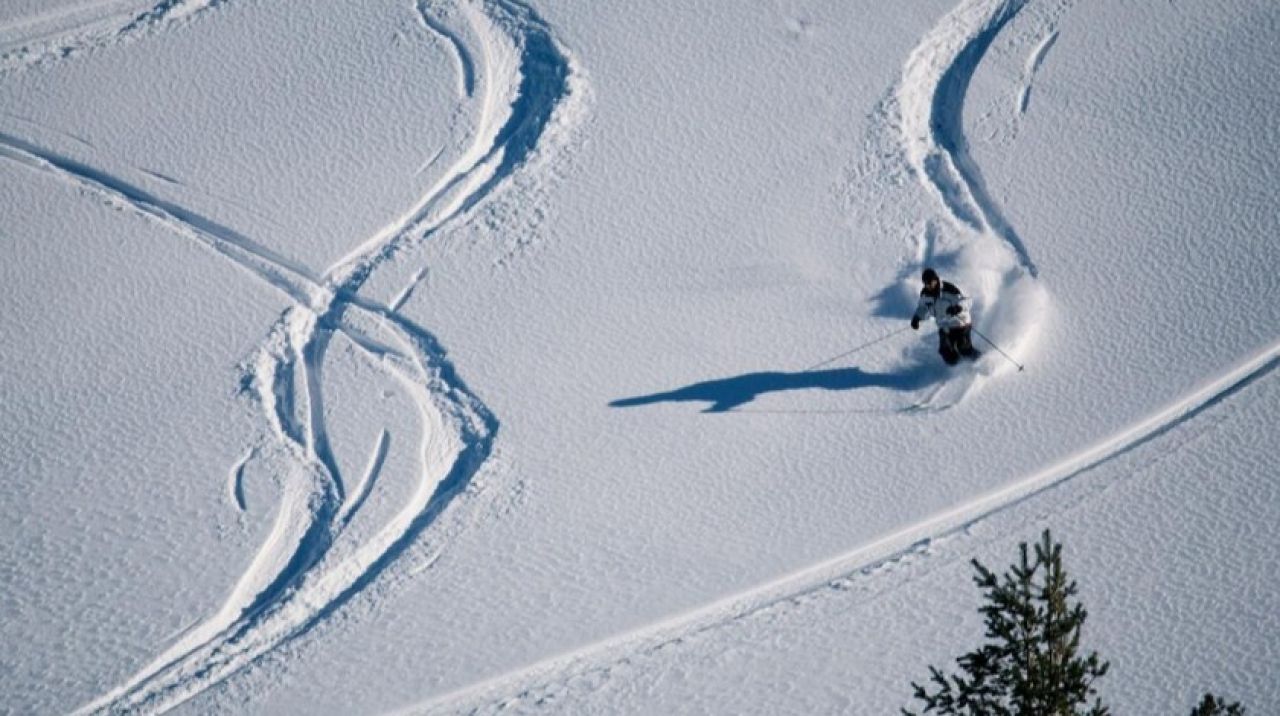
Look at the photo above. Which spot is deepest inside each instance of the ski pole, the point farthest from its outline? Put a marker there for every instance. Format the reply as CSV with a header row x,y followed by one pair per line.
x,y
993,345
851,351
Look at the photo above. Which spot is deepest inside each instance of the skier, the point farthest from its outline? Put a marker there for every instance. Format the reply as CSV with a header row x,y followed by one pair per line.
x,y
942,300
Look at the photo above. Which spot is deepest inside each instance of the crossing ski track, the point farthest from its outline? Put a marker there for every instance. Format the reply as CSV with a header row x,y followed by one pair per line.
x,y
299,575
929,102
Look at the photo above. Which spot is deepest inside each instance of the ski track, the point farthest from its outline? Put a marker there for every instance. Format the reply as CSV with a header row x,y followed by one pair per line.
x,y
297,578
30,29
984,249
27,120
95,33
466,66
405,294
1029,72
291,278
365,486
236,480
504,691
931,99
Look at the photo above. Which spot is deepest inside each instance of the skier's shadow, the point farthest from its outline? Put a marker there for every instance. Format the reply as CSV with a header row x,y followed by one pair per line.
x,y
725,394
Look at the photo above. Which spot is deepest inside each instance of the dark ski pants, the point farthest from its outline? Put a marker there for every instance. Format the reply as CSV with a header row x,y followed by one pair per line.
x,y
955,342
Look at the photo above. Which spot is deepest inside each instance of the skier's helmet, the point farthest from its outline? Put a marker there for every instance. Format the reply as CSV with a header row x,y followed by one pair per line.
x,y
929,276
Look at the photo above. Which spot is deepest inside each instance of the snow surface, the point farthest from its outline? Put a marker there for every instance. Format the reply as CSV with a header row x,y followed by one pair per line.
x,y
549,355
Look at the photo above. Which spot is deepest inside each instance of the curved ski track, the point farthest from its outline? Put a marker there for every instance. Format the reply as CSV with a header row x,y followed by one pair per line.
x,y
930,98
298,577
993,258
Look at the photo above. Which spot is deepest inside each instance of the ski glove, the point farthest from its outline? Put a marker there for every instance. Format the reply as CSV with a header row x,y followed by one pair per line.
x,y
954,311
915,323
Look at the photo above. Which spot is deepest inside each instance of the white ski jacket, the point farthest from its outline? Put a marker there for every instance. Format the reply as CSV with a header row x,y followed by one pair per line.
x,y
942,307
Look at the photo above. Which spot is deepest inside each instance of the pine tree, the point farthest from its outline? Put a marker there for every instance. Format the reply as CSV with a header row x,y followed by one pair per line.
x,y
1214,706
1029,667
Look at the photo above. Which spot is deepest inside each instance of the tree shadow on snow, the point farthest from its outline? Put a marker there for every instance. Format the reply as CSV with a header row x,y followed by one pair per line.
x,y
725,394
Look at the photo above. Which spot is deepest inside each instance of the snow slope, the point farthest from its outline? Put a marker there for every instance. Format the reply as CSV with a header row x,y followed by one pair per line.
x,y
466,355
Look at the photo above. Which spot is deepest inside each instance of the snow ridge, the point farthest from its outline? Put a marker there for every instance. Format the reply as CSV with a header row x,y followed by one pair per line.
x,y
309,566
